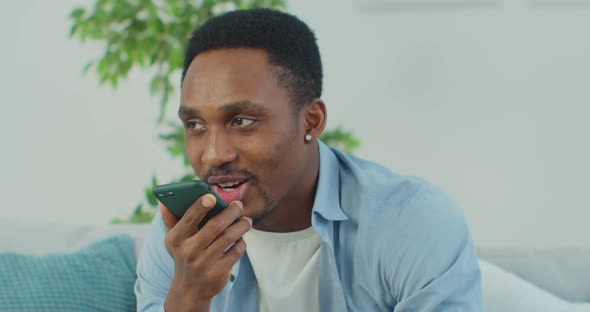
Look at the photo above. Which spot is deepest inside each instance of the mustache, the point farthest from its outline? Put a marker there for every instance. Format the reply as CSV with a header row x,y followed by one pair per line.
x,y
230,171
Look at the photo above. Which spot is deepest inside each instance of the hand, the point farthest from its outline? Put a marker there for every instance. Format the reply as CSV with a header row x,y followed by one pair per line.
x,y
202,264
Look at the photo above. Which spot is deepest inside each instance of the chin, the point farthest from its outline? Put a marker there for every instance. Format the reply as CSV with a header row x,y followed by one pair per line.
x,y
257,204
254,212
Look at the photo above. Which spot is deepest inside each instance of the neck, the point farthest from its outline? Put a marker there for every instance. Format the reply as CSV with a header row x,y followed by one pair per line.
x,y
293,212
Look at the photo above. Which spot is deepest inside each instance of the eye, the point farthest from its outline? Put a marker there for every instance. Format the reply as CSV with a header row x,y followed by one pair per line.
x,y
194,125
242,122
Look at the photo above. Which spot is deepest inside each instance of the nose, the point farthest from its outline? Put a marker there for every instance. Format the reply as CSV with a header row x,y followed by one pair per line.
x,y
218,150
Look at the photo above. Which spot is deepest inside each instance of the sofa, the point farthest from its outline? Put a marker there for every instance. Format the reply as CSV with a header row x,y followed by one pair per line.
x,y
91,268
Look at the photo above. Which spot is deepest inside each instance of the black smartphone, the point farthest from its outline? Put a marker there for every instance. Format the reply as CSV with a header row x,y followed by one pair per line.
x,y
179,196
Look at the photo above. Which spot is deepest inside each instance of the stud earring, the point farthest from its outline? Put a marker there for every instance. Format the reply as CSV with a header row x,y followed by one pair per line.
x,y
307,137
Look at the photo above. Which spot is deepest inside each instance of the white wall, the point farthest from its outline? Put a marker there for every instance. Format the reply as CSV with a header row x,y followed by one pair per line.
x,y
488,103
72,152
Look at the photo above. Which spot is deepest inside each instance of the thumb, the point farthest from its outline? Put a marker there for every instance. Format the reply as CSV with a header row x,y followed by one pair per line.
x,y
169,219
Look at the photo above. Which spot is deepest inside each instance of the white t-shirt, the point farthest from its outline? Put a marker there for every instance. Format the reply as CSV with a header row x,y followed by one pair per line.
x,y
286,266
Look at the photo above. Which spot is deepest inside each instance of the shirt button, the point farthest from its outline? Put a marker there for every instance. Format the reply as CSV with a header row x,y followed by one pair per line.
x,y
232,278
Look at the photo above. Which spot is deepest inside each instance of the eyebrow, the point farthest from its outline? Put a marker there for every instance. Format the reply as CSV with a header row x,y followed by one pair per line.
x,y
244,106
185,111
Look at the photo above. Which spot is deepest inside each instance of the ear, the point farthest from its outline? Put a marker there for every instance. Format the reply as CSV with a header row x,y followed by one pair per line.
x,y
314,118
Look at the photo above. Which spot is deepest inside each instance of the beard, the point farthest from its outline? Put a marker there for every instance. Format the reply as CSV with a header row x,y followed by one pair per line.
x,y
269,205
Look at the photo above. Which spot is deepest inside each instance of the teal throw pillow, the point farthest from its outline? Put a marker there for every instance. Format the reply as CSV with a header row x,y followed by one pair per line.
x,y
98,277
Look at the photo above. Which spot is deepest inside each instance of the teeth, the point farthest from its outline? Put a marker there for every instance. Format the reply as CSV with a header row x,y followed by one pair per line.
x,y
229,184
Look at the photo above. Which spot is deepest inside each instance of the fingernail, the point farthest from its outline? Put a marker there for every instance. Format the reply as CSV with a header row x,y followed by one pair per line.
x,y
249,220
239,204
207,201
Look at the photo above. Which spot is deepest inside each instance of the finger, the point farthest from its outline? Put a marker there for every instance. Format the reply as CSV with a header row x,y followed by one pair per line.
x,y
169,219
187,225
232,255
217,225
232,234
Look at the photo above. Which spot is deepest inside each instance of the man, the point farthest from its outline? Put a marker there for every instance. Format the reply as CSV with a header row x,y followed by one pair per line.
x,y
325,231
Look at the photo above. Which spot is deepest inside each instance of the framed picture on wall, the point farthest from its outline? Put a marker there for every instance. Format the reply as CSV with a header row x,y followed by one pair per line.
x,y
400,4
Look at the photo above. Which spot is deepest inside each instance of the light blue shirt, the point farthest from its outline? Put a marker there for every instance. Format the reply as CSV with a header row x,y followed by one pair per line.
x,y
389,243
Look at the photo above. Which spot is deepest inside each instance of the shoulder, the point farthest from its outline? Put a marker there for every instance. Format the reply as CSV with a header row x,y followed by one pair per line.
x,y
154,254
368,188
407,221
155,268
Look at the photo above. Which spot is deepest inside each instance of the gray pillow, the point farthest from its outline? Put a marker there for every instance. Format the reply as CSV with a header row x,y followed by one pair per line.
x,y
560,271
506,292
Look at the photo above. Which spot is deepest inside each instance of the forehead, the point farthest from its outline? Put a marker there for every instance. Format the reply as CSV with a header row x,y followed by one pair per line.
x,y
217,77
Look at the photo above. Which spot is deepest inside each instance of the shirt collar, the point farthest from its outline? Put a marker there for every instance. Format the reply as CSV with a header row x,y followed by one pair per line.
x,y
327,196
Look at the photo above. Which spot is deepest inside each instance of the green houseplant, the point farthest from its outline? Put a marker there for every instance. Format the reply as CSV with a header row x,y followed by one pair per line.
x,y
151,35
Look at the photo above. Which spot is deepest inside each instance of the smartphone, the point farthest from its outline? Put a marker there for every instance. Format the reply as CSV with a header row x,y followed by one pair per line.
x,y
179,196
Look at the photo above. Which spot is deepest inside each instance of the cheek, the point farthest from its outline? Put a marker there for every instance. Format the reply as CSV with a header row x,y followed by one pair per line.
x,y
273,159
193,152
257,155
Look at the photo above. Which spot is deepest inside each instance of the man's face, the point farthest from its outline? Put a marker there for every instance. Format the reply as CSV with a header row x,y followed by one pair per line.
x,y
242,135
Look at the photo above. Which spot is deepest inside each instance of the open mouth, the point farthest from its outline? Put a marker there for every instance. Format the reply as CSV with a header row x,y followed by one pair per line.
x,y
229,186
230,190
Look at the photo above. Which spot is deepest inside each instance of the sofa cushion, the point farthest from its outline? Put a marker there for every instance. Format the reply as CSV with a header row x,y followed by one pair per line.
x,y
506,292
40,237
98,277
560,271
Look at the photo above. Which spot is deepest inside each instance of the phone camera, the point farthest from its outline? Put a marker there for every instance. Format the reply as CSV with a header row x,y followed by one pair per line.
x,y
165,194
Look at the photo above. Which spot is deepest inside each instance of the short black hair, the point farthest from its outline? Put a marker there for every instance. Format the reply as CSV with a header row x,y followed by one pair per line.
x,y
290,44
